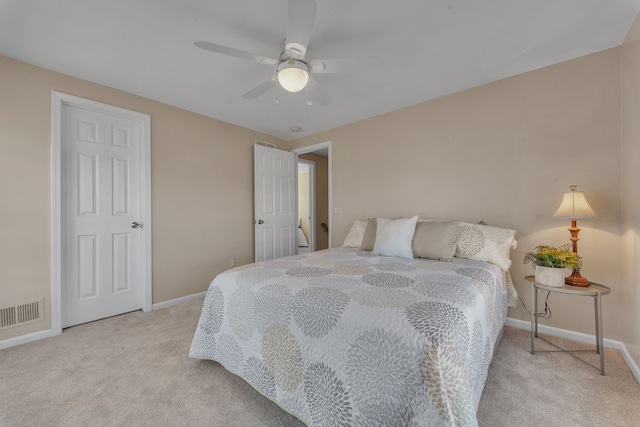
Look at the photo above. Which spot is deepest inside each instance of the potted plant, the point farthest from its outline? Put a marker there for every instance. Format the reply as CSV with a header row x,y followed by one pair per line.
x,y
552,264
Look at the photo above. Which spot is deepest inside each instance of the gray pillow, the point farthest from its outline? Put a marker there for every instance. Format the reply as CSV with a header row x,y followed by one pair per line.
x,y
435,239
369,238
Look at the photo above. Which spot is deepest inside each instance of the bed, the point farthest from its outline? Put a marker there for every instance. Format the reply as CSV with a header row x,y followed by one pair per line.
x,y
355,337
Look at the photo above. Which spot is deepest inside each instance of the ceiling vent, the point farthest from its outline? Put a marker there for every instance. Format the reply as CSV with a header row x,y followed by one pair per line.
x,y
266,144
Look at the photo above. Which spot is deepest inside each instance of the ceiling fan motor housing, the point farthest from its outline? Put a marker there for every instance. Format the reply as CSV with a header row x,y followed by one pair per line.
x,y
295,50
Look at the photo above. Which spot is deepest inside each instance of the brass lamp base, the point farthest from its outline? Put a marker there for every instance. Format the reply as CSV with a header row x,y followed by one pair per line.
x,y
576,279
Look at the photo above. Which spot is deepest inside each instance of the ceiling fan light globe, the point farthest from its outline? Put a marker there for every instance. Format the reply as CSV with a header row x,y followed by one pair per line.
x,y
292,77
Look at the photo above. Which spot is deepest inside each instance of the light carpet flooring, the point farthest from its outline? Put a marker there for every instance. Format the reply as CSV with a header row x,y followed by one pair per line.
x,y
133,370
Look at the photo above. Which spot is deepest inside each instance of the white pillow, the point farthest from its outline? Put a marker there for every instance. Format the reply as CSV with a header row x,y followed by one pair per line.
x,y
355,235
394,237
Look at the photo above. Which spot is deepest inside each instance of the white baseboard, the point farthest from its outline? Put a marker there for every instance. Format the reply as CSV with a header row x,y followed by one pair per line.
x,y
180,300
23,339
630,362
580,337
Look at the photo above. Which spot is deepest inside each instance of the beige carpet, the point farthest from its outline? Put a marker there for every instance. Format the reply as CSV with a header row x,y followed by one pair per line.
x,y
133,370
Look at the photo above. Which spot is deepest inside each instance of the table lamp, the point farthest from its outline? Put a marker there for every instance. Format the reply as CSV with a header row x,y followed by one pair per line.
x,y
575,205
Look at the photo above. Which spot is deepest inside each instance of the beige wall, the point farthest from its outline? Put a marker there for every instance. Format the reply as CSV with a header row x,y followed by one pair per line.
x,y
630,187
202,189
503,153
322,197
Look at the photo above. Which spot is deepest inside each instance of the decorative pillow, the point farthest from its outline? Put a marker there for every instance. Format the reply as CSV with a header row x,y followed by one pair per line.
x,y
369,238
485,243
354,237
394,236
435,239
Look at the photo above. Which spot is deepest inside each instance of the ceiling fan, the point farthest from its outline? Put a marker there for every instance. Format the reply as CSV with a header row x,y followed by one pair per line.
x,y
293,71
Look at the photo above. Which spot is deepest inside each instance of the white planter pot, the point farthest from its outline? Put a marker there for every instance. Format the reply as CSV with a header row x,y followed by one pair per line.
x,y
550,276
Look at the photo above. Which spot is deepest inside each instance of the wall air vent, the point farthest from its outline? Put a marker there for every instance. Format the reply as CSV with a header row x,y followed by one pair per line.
x,y
21,314
266,144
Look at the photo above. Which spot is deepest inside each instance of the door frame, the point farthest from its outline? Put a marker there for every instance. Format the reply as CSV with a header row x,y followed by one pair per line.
x,y
317,147
312,202
58,100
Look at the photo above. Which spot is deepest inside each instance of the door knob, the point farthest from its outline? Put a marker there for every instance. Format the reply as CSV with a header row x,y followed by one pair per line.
x,y
260,221
135,224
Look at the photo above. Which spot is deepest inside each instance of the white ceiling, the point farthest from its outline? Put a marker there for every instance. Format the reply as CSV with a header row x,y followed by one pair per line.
x,y
429,49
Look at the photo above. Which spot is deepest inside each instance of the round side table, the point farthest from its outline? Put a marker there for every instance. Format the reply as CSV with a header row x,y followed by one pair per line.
x,y
594,290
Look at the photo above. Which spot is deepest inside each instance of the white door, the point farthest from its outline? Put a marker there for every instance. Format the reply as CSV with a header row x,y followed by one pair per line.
x,y
101,208
276,205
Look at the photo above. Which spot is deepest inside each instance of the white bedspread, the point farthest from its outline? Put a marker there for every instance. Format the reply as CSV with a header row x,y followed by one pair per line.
x,y
344,338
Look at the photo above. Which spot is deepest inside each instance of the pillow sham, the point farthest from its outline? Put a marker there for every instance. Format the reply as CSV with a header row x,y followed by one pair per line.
x,y
485,243
369,238
394,237
435,239
354,237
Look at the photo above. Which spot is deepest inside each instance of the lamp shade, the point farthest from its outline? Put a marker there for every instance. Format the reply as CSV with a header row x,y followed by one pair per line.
x,y
293,76
575,205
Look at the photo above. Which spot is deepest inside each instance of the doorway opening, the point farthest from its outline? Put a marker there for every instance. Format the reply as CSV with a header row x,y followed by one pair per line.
x,y
306,206
317,158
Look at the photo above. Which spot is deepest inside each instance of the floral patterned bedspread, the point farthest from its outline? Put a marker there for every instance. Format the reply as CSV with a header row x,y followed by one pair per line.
x,y
345,338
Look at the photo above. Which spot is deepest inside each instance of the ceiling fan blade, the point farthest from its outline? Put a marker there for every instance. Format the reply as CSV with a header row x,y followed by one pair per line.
x,y
302,13
260,88
343,65
317,94
225,50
